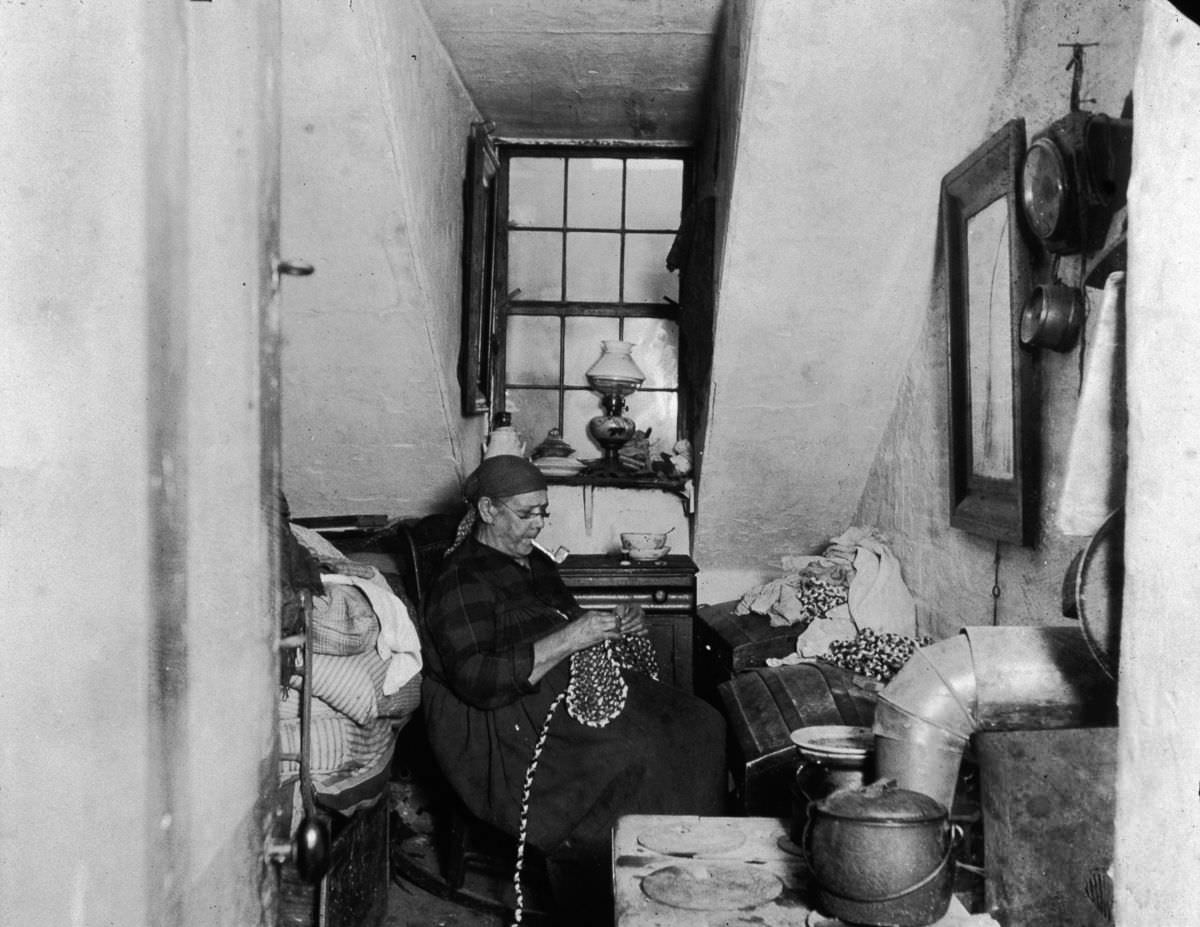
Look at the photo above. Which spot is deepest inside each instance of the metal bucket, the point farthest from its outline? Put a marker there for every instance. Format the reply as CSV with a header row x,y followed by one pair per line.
x,y
817,779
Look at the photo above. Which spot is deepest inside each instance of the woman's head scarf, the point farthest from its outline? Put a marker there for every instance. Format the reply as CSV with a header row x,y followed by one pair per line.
x,y
497,478
503,476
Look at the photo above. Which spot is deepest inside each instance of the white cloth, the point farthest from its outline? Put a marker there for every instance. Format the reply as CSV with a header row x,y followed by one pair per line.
x,y
879,598
398,642
1094,484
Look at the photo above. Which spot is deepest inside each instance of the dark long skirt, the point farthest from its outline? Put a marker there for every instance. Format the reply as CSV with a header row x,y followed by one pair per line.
x,y
664,754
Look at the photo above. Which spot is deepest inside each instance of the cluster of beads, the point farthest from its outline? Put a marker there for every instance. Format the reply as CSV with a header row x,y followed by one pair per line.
x,y
819,594
597,691
877,654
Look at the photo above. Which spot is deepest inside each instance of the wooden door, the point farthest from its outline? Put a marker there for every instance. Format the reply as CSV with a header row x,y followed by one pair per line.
x,y
217,515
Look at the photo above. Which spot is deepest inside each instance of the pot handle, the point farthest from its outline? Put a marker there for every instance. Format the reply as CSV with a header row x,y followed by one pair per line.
x,y
955,836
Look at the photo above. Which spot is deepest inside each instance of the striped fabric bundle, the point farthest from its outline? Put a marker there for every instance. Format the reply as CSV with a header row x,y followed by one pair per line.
x,y
343,622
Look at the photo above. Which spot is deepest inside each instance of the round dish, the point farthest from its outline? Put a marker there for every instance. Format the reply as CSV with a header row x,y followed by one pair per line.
x,y
834,740
646,539
646,555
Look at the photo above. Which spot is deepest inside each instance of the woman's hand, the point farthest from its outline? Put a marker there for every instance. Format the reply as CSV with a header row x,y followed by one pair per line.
x,y
589,629
595,627
632,620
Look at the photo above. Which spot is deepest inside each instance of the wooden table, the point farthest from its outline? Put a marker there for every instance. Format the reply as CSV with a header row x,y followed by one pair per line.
x,y
632,862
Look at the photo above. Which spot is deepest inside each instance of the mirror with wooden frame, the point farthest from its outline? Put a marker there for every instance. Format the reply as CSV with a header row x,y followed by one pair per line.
x,y
993,457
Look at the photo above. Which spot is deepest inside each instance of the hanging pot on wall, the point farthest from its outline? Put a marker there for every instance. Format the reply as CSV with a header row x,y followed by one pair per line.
x,y
1052,317
881,855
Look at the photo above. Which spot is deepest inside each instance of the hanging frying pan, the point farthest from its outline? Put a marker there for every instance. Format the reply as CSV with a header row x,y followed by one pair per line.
x,y
1093,588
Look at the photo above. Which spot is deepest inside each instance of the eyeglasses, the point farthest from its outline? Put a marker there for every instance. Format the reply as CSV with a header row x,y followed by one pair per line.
x,y
530,515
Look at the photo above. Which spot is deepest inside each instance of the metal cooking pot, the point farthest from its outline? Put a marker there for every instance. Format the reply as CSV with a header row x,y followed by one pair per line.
x,y
881,855
1051,318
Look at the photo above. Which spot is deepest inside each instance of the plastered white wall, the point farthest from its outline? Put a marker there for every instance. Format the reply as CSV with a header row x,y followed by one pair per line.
x,y
850,113
137,182
952,573
589,520
1158,772
375,130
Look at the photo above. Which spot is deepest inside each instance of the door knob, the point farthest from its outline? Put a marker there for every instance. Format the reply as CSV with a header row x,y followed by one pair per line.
x,y
308,849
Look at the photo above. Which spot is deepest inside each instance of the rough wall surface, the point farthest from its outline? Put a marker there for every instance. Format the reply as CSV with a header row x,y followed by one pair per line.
x,y
374,156
952,573
136,253
1157,838
846,111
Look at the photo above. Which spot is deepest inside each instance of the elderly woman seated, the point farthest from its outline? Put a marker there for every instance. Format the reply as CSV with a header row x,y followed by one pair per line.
x,y
511,658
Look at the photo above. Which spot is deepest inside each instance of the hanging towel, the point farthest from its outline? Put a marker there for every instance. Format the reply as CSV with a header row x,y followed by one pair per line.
x,y
1094,484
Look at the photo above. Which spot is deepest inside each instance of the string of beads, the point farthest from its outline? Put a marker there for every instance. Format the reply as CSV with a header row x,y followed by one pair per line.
x,y
595,696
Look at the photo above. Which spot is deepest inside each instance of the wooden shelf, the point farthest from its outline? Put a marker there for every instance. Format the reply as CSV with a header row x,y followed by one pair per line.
x,y
625,481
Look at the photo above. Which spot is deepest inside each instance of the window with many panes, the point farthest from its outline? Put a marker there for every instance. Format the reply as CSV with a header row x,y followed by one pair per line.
x,y
583,259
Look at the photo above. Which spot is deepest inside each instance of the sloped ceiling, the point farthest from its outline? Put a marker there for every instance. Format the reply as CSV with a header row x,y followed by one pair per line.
x,y
625,70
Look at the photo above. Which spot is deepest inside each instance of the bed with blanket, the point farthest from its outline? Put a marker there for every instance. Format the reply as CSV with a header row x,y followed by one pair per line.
x,y
348,685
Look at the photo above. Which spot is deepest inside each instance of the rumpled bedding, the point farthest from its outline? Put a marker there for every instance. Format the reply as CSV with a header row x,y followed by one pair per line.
x,y
398,643
856,582
365,682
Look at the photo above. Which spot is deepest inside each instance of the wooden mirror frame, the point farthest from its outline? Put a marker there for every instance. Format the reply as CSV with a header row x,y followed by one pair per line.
x,y
996,497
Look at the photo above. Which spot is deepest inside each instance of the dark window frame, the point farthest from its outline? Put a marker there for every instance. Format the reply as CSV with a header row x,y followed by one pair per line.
x,y
508,303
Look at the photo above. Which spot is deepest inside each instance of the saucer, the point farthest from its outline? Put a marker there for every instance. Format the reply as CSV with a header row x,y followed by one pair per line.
x,y
646,556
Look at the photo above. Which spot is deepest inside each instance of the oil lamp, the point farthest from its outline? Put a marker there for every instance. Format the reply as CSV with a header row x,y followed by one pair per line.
x,y
614,376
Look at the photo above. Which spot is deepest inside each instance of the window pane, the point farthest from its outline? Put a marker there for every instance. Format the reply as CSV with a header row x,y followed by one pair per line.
x,y
660,413
657,351
535,191
647,279
535,413
532,343
535,264
594,193
583,339
653,194
580,407
593,264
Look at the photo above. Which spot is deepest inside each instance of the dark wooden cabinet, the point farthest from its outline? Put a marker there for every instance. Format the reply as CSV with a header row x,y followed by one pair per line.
x,y
666,590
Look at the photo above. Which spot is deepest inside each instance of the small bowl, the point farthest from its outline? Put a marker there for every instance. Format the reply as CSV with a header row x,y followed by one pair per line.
x,y
645,554
646,540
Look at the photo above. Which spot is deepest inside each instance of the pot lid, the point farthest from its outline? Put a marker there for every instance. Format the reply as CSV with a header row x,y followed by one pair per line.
x,y
882,802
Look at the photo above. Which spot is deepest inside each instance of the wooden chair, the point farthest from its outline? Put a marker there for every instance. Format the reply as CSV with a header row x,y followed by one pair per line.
x,y
465,844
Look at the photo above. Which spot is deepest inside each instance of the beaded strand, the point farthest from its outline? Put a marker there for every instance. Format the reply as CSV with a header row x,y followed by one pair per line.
x,y
526,791
595,696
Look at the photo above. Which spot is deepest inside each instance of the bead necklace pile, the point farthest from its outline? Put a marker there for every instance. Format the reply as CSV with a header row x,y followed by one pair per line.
x,y
597,691
595,696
